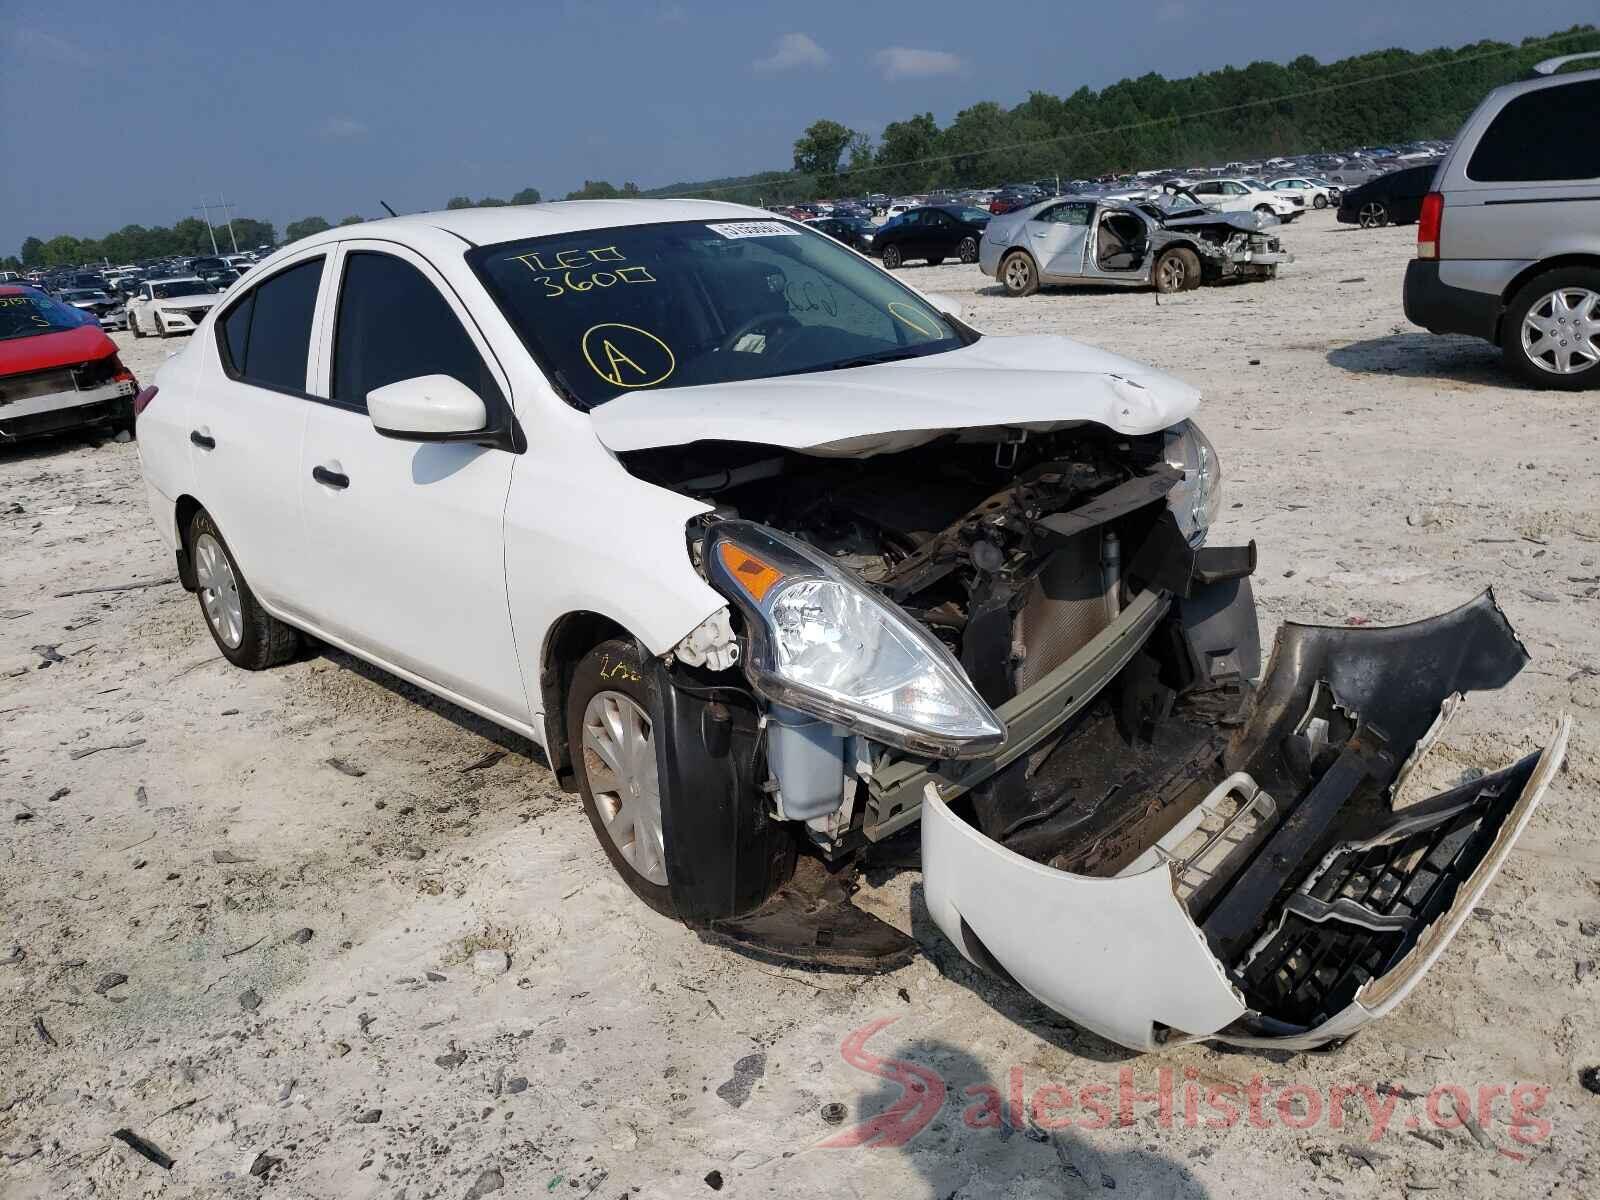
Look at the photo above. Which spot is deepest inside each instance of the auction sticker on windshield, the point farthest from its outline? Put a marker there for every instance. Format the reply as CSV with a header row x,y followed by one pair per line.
x,y
748,229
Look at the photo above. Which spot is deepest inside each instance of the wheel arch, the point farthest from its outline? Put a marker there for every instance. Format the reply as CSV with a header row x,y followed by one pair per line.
x,y
568,639
183,517
1528,274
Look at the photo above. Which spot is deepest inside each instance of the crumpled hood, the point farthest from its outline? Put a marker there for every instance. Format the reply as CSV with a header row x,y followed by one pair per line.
x,y
1039,382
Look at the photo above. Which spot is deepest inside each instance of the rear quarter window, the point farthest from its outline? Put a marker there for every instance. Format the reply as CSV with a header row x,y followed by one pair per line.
x,y
1540,136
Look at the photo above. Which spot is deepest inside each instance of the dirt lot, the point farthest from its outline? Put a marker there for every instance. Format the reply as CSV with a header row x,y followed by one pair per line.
x,y
297,939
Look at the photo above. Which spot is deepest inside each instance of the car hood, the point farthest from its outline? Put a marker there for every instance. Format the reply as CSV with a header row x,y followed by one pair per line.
x,y
44,351
204,300
1038,382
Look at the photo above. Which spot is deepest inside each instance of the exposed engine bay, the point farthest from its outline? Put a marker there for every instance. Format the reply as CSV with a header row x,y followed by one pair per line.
x,y
1009,548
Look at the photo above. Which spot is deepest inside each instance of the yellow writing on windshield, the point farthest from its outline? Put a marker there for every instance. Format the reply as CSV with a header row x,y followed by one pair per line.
x,y
578,270
913,319
626,356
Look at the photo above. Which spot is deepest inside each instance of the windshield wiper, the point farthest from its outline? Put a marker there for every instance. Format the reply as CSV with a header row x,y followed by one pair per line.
x,y
864,360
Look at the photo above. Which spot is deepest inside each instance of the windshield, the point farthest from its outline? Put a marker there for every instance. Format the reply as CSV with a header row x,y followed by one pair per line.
x,y
25,316
606,311
182,287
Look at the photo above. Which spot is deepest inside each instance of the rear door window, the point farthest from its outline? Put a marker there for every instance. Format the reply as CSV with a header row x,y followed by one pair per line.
x,y
1543,135
267,335
393,324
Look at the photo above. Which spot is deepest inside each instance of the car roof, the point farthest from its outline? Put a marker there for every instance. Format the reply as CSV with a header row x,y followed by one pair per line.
x,y
513,222
177,279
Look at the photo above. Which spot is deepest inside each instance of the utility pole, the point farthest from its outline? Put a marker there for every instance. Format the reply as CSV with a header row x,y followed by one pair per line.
x,y
206,208
228,217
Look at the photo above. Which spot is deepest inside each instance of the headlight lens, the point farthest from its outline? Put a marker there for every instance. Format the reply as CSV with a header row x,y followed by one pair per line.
x,y
1196,501
824,643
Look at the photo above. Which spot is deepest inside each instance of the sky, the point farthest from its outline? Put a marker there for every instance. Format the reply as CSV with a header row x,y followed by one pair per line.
x,y
112,114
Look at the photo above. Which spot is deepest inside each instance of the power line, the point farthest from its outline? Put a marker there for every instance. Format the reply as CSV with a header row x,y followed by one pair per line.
x,y
768,180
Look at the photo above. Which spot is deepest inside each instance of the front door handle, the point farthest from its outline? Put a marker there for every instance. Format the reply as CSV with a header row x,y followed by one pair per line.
x,y
334,479
204,440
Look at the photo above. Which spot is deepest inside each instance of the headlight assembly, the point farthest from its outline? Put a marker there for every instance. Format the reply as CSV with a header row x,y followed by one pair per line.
x,y
824,643
1196,501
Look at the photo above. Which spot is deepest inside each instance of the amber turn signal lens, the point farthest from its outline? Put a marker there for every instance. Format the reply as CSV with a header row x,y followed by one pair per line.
x,y
751,573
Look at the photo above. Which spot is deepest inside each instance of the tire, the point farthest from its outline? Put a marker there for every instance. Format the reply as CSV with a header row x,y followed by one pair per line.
x,y
1018,275
133,326
262,640
1374,214
161,328
1177,270
1538,356
891,258
611,692
1319,201
968,250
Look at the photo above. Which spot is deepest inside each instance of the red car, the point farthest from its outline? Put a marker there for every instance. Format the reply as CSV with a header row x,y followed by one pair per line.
x,y
57,369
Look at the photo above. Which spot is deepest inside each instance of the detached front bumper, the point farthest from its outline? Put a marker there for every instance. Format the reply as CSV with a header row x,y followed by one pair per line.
x,y
1284,892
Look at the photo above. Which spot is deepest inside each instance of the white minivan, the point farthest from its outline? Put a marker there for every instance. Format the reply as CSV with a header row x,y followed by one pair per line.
x,y
773,555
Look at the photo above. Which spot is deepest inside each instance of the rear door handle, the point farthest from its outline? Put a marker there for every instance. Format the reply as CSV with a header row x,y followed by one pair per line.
x,y
333,479
204,440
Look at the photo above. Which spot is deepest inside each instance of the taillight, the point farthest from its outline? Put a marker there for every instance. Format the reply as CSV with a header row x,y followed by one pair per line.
x,y
142,400
1429,222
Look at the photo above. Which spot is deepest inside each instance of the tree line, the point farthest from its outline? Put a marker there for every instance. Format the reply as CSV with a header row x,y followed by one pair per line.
x,y
1152,122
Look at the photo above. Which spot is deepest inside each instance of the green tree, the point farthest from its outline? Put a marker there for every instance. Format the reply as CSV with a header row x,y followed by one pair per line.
x,y
817,151
491,202
600,189
63,251
32,252
459,202
304,227
351,220
528,195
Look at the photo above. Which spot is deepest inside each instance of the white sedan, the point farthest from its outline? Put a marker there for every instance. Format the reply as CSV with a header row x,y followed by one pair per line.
x,y
1315,193
168,306
772,554
1248,195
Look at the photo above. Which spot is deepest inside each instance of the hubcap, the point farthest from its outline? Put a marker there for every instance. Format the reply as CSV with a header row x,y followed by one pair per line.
x,y
969,251
1560,331
1372,214
1172,273
219,590
619,756
1017,273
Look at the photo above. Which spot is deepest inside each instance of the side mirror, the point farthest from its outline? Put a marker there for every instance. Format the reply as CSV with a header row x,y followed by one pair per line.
x,y
429,408
948,305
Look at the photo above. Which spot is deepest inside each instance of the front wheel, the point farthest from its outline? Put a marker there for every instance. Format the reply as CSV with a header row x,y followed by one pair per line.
x,y
161,328
248,635
612,716
891,257
968,250
1018,276
1178,270
133,326
1319,201
1551,332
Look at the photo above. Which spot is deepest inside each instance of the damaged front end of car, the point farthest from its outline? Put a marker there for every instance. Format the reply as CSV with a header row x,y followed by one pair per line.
x,y
1018,635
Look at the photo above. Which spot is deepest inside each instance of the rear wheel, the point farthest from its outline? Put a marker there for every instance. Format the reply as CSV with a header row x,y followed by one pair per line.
x,y
1018,275
612,715
1551,332
1374,215
248,635
1178,270
891,257
968,250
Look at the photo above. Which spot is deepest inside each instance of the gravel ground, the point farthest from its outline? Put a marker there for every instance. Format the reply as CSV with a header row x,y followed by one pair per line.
x,y
303,1010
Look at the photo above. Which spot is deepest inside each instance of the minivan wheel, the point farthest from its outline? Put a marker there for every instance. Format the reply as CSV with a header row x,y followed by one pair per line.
x,y
968,250
1017,274
612,715
1551,331
248,635
891,257
1373,215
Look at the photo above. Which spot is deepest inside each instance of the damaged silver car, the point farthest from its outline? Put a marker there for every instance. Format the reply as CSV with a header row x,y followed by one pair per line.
x,y
1171,242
